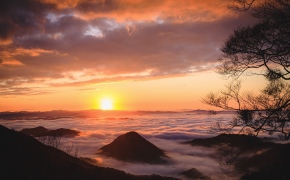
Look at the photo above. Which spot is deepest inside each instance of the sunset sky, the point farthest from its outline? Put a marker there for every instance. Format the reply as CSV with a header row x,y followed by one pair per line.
x,y
139,54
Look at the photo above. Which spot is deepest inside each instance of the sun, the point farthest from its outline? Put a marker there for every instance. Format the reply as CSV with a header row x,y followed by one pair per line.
x,y
106,104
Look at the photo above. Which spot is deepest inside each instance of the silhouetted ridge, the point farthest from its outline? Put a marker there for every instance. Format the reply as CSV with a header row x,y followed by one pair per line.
x,y
234,140
41,131
24,157
268,160
195,174
133,147
271,164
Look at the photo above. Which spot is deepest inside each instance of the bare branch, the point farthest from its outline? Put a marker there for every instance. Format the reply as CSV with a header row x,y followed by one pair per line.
x,y
264,45
241,5
267,111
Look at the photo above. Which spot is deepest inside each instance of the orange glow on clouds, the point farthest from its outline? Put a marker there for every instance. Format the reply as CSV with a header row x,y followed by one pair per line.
x,y
144,10
139,54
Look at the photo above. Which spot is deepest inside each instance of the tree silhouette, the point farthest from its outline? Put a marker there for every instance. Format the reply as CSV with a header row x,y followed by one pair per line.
x,y
259,49
241,5
264,45
267,111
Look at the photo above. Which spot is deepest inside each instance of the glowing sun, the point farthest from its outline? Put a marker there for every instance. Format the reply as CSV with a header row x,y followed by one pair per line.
x,y
106,104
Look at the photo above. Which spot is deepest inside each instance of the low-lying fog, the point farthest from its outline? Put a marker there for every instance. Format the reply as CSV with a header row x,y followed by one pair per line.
x,y
166,131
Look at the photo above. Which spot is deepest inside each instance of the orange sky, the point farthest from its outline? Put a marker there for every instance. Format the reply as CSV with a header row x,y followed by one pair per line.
x,y
143,54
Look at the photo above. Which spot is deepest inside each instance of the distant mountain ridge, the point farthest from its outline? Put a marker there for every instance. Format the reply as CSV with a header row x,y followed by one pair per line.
x,y
133,147
42,131
194,174
57,114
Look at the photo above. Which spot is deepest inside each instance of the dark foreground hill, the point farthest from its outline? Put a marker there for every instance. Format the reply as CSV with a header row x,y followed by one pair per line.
x,y
133,147
269,161
269,165
41,131
23,157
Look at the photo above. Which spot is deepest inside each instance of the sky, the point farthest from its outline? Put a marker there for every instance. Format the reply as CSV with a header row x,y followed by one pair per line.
x,y
139,54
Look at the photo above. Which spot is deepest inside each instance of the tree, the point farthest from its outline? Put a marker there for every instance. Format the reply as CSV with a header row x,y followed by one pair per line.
x,y
264,46
267,111
241,5
259,49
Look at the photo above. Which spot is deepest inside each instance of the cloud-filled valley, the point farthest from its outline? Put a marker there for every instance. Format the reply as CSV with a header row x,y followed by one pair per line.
x,y
167,131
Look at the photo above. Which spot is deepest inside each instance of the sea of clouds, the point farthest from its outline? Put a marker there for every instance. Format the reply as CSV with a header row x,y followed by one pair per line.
x,y
167,131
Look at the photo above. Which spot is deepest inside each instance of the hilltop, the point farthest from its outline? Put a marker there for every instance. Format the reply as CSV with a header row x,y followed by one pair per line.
x,y
133,147
41,131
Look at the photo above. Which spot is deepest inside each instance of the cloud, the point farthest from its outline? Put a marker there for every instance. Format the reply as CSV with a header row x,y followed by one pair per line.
x,y
144,10
169,48
12,91
78,42
21,17
163,130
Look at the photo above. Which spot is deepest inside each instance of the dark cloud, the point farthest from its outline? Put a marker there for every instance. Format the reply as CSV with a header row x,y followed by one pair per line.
x,y
160,48
21,17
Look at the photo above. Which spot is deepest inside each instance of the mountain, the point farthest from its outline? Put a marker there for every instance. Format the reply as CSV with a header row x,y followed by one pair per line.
x,y
23,157
242,141
255,158
133,147
271,164
194,174
41,131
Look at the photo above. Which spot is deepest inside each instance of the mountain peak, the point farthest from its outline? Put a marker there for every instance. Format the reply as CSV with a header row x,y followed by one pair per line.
x,y
133,147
